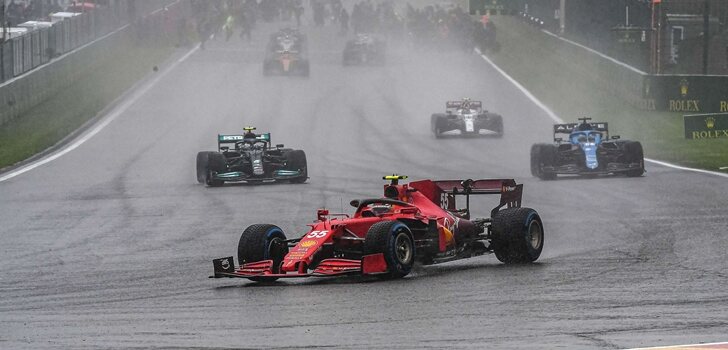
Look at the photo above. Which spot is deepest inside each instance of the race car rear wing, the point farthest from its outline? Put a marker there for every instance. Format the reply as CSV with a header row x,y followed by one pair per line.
x,y
452,106
446,191
568,128
232,139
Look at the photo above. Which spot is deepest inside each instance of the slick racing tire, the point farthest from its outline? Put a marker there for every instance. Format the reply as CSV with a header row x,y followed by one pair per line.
x,y
207,163
542,155
393,239
262,242
634,154
296,161
517,235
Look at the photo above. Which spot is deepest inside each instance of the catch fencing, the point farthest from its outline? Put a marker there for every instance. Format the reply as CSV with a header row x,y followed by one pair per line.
x,y
49,56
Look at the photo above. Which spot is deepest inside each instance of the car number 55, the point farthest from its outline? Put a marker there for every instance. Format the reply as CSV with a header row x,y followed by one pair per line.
x,y
317,234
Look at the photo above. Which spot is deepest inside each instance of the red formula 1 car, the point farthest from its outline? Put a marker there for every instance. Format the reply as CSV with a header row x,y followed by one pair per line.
x,y
418,221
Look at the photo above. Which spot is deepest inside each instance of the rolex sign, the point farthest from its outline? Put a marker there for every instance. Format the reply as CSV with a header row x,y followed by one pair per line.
x,y
706,126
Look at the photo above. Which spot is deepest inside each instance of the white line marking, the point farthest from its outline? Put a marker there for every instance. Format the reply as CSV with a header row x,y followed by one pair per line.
x,y
686,168
680,346
615,61
118,110
557,119
523,89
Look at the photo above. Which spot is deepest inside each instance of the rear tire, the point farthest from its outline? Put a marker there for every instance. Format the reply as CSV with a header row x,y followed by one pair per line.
x,y
634,154
296,161
517,235
394,240
262,242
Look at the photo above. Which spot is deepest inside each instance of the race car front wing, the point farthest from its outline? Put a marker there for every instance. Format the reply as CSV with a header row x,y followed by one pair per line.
x,y
278,175
372,264
574,169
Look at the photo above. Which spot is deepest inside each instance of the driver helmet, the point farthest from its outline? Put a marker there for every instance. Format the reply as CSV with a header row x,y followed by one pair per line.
x,y
584,126
249,135
465,105
380,209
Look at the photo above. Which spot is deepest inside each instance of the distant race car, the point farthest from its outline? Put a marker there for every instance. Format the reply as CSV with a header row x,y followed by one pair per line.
x,y
364,50
250,158
589,150
464,118
418,221
286,54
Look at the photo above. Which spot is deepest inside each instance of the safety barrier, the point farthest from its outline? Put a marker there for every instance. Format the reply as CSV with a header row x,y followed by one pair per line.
x,y
47,58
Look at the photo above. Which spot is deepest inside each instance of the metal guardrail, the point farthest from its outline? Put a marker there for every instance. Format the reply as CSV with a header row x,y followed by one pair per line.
x,y
41,43
47,58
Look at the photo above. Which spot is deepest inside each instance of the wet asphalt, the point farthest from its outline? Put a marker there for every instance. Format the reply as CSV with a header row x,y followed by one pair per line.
x,y
110,246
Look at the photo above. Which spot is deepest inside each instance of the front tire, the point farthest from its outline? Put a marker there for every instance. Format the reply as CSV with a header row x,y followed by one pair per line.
x,y
207,164
495,124
543,155
436,125
517,235
394,240
635,154
262,242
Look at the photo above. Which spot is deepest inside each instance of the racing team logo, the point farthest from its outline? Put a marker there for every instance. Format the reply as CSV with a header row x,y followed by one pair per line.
x,y
683,87
307,244
710,122
508,188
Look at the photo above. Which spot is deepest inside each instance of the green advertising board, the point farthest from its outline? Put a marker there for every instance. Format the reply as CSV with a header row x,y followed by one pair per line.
x,y
706,126
483,6
687,93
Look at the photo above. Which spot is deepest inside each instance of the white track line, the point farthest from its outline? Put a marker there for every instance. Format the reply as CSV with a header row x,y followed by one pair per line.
x,y
518,85
615,61
557,119
695,346
115,112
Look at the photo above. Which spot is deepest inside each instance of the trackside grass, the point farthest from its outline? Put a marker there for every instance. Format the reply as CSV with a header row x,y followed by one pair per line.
x,y
61,114
564,84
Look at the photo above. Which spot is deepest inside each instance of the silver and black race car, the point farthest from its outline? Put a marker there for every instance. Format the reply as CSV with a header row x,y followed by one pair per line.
x,y
286,54
589,150
364,50
250,158
466,117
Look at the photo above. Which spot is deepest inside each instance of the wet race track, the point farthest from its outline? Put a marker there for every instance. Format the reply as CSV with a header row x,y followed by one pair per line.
x,y
110,245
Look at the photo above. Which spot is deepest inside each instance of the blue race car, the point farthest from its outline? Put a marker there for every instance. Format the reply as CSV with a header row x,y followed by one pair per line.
x,y
589,150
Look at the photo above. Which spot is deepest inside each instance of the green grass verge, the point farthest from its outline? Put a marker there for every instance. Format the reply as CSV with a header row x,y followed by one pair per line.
x,y
569,88
61,114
